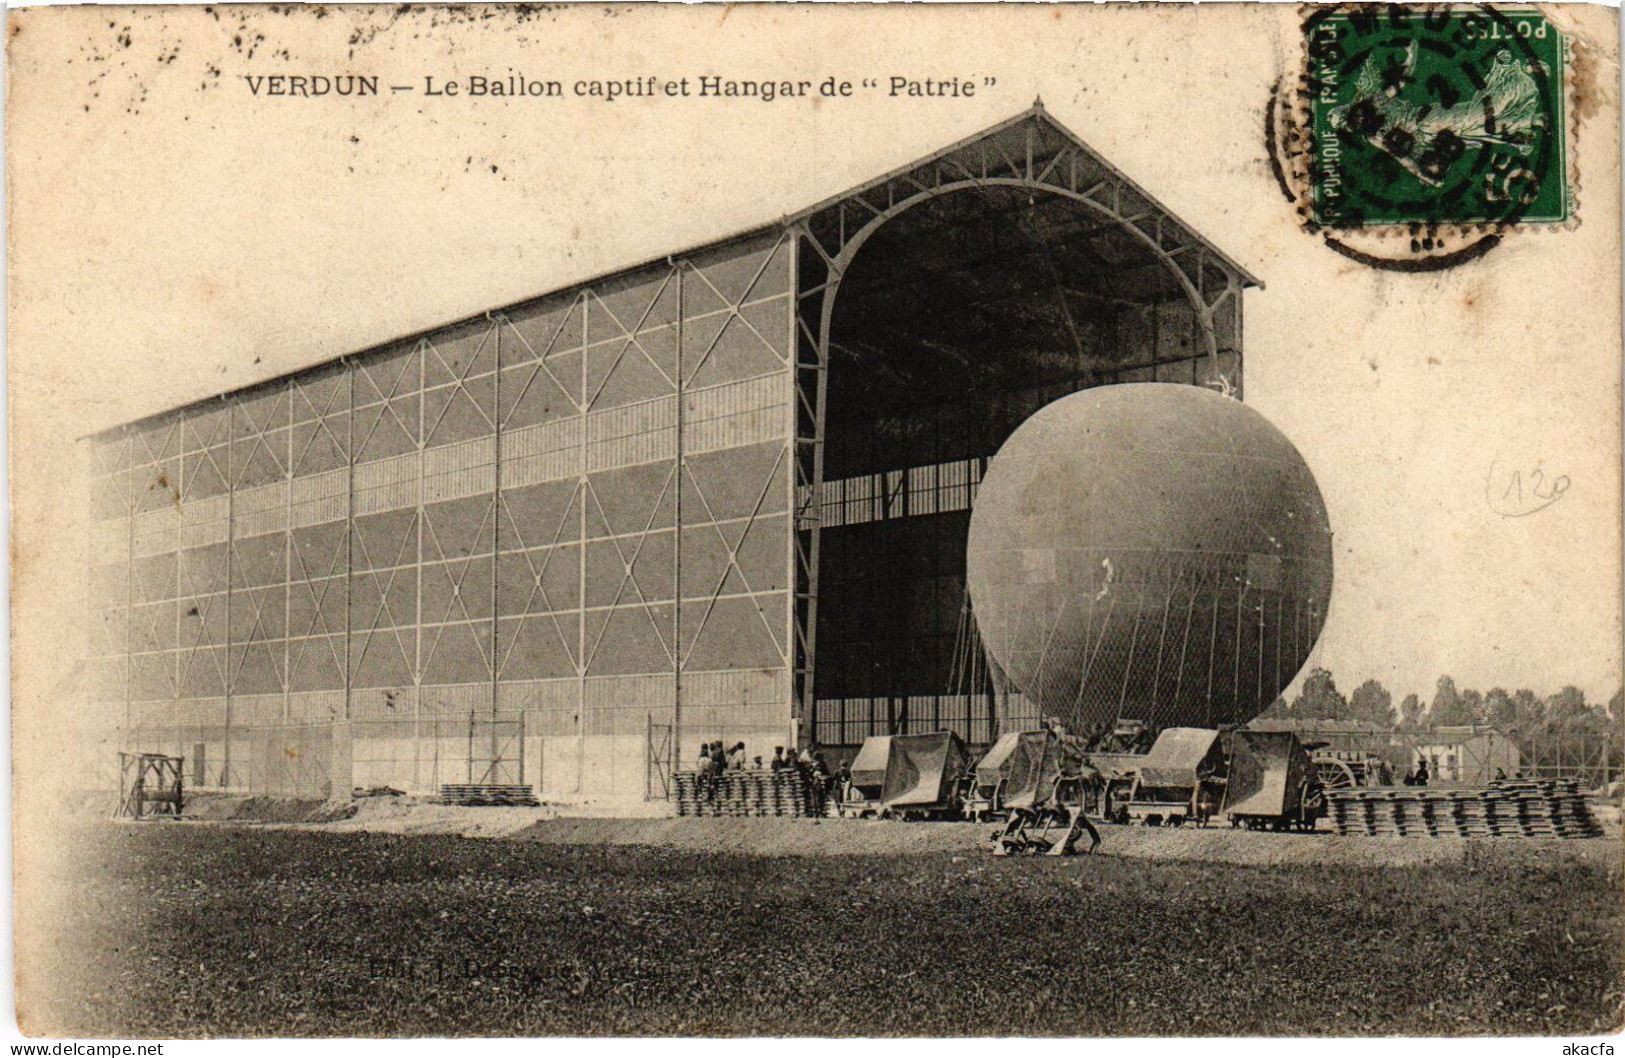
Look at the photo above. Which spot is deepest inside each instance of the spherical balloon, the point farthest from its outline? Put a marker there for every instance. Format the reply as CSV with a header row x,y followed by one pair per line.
x,y
1150,551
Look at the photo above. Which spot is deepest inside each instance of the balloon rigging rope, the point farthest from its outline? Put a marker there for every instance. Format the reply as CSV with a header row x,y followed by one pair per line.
x,y
1043,654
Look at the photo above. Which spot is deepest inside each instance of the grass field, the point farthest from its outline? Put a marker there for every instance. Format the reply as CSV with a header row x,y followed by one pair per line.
x,y
189,931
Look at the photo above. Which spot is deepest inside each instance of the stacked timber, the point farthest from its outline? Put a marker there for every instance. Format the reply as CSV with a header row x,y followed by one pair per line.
x,y
1557,804
488,795
747,793
1549,808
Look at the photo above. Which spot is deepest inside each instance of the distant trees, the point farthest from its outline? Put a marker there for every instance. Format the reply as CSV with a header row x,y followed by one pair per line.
x,y
1526,708
1567,711
1319,698
1372,704
1472,706
1568,704
1499,709
1449,706
1561,726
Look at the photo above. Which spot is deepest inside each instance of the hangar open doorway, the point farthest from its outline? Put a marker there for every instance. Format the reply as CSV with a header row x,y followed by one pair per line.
x,y
939,307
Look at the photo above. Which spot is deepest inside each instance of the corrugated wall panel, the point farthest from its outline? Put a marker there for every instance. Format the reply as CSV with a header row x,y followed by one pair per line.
x,y
111,510
366,541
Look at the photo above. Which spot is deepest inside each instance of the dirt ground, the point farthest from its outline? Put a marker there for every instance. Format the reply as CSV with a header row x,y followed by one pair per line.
x,y
826,837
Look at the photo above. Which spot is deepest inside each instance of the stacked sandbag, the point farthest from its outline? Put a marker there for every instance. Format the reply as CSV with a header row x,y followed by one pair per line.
x,y
747,793
1557,805
1525,808
503,795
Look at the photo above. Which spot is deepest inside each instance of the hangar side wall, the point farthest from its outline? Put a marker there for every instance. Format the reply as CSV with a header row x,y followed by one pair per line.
x,y
519,549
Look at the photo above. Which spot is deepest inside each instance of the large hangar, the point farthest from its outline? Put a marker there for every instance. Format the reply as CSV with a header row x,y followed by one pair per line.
x,y
722,495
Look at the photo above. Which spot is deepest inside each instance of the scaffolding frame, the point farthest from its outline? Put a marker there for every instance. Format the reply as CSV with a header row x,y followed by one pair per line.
x,y
151,779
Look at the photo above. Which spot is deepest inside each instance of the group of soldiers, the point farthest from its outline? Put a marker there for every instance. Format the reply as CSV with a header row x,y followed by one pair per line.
x,y
715,761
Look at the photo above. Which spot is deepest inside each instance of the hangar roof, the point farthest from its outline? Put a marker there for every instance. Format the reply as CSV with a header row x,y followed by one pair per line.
x,y
1029,142
1029,146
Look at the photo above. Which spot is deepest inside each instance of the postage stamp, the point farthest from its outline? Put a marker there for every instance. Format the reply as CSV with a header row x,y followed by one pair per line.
x,y
1421,135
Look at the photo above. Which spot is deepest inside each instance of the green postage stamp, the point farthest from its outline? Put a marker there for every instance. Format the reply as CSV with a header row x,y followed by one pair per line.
x,y
1435,116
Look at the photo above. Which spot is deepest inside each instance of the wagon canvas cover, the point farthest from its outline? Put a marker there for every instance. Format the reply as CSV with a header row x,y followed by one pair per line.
x,y
999,760
869,766
1175,757
922,769
1266,768
1034,766
1116,765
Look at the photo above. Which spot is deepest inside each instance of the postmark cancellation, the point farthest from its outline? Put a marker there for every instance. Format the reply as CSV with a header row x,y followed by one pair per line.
x,y
1418,137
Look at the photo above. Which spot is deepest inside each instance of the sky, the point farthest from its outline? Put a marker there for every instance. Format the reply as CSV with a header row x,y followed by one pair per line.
x,y
174,235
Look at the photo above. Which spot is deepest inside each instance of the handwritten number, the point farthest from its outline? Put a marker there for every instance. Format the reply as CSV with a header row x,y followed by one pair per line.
x,y
1513,503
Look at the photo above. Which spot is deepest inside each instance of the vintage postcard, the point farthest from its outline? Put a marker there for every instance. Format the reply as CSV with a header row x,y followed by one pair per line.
x,y
816,521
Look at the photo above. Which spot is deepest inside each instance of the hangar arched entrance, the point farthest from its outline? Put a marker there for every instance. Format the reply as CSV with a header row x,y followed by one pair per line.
x,y
938,309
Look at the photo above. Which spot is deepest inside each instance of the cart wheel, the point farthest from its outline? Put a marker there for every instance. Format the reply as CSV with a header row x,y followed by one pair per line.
x,y
1335,775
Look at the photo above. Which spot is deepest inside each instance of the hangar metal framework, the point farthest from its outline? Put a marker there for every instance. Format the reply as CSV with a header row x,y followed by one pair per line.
x,y
723,494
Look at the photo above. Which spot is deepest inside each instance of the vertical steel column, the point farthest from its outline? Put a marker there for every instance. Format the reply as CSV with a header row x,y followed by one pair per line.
x,y
287,560
350,368
1237,340
231,548
494,336
419,518
677,536
129,577
820,368
175,546
792,240
581,559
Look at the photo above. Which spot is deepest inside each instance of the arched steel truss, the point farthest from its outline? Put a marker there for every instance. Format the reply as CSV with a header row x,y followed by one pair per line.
x,y
1212,284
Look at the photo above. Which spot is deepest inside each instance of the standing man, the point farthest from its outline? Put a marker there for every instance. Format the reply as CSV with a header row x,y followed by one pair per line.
x,y
707,777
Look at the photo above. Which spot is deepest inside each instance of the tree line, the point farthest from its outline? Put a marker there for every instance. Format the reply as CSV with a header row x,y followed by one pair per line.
x,y
1521,712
